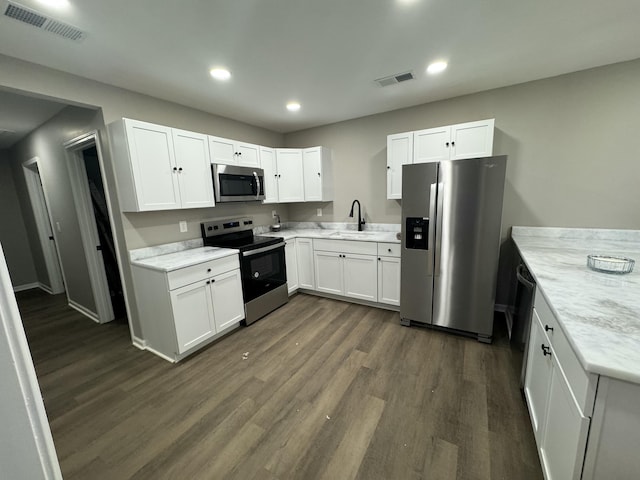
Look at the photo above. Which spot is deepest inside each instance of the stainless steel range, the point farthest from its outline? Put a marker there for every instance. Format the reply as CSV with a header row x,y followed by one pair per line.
x,y
262,264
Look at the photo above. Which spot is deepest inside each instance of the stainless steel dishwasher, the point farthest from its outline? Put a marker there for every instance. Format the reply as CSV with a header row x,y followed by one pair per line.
x,y
525,294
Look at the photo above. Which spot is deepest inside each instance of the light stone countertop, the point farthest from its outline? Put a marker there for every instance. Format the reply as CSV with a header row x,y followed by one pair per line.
x,y
168,262
599,312
365,236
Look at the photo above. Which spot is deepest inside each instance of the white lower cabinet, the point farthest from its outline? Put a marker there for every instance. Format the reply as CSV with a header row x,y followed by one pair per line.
x,y
329,277
565,431
347,268
389,273
291,260
183,309
560,397
306,270
193,315
226,299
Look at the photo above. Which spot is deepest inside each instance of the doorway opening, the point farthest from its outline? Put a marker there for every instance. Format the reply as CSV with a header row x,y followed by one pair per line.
x,y
105,232
55,282
96,227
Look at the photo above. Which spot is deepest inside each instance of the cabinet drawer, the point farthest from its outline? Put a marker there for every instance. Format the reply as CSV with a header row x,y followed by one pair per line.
x,y
389,249
582,384
345,246
195,273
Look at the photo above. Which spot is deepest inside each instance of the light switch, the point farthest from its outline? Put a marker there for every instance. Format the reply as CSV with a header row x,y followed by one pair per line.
x,y
58,226
183,226
319,212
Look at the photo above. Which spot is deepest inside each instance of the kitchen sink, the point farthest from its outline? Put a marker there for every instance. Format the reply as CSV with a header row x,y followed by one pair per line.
x,y
351,234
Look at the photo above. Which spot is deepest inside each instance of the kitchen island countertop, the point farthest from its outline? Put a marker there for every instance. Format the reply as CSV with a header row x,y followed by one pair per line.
x,y
599,312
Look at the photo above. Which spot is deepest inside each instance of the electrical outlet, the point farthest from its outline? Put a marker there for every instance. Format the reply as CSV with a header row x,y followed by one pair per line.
x,y
183,226
319,212
273,214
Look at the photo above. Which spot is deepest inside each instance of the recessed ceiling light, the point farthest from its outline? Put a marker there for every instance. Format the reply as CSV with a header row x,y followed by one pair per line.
x,y
55,3
293,106
436,67
220,73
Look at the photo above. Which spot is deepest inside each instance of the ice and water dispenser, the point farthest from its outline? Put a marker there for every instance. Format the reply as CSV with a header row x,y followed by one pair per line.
x,y
417,233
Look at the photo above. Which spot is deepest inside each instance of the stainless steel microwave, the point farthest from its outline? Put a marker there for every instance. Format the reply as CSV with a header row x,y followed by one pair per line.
x,y
237,184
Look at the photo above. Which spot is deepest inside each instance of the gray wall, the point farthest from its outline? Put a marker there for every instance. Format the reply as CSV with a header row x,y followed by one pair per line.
x,y
46,143
13,234
574,160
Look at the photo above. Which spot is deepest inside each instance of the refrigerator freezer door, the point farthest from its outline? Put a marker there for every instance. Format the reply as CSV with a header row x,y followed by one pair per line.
x,y
468,243
416,272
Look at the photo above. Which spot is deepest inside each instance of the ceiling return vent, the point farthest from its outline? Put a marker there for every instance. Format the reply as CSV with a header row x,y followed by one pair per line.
x,y
393,79
38,20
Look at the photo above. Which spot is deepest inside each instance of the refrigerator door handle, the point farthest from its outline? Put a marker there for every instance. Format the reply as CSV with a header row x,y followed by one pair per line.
x,y
438,228
431,239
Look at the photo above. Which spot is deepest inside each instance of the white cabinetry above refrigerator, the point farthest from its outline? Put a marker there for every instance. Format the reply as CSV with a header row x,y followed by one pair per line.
x,y
451,142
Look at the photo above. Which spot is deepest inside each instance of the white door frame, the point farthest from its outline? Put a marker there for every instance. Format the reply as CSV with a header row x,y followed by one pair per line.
x,y
23,404
87,221
44,225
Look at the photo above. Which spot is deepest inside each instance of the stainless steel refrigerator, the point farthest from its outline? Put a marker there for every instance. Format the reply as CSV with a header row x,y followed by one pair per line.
x,y
451,217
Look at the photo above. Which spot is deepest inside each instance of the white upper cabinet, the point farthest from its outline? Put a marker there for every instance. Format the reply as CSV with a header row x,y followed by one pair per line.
x,y
154,174
268,164
318,178
431,145
399,152
451,142
290,175
473,139
230,152
194,169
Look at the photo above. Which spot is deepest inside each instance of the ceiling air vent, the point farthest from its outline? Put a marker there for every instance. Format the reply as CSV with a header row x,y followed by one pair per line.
x,y
38,20
393,79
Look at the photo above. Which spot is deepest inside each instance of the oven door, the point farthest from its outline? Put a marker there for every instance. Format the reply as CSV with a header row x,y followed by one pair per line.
x,y
237,184
263,270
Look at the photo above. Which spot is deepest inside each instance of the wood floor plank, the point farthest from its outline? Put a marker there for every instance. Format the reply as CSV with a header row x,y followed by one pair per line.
x,y
403,403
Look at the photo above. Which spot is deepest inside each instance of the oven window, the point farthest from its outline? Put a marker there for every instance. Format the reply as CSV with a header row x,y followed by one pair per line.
x,y
237,185
263,272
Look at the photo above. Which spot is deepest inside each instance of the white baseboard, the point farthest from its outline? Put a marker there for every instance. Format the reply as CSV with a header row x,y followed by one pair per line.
x,y
139,343
84,311
26,286
161,355
46,288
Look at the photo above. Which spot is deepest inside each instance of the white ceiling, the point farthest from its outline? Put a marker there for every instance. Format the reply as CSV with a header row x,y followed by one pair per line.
x,y
324,53
20,115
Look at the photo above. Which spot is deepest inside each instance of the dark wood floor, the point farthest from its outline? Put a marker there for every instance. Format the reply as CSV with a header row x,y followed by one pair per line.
x,y
329,390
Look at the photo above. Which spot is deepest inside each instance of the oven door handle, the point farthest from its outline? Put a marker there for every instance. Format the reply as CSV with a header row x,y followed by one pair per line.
x,y
262,250
257,185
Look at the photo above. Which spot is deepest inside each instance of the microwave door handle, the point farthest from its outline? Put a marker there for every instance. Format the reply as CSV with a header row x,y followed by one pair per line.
x,y
257,185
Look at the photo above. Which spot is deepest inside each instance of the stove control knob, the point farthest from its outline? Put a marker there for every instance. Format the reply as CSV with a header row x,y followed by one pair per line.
x,y
256,275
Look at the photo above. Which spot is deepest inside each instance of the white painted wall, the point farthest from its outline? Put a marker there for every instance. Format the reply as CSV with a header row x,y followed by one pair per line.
x,y
26,444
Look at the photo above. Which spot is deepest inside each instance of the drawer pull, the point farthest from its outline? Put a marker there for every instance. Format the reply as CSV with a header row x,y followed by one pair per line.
x,y
208,270
547,328
545,350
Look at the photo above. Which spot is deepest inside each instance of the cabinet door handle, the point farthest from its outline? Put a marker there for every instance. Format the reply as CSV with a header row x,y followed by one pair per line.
x,y
378,258
545,350
453,144
388,167
208,270
213,280
208,282
318,173
180,169
447,144
175,169
389,250
547,328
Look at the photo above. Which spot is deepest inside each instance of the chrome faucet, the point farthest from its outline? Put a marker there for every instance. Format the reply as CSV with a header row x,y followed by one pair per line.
x,y
360,220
